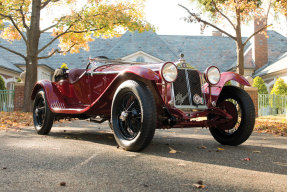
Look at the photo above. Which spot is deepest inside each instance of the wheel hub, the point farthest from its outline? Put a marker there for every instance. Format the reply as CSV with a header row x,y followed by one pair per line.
x,y
230,108
124,115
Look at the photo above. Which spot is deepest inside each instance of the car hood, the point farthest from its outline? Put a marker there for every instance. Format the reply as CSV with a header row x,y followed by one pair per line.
x,y
122,67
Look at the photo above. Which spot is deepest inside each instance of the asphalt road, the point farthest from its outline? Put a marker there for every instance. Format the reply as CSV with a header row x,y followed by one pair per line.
x,y
83,156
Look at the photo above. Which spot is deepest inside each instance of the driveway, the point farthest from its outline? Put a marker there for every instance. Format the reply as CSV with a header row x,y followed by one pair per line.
x,y
82,156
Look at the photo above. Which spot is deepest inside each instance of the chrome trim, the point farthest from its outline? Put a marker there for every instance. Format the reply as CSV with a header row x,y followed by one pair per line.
x,y
188,86
104,72
111,72
202,88
190,107
187,107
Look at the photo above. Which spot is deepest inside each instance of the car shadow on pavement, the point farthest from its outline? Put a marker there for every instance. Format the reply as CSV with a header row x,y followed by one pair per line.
x,y
258,153
101,137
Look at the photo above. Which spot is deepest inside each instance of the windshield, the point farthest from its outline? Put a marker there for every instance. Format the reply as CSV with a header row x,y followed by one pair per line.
x,y
98,62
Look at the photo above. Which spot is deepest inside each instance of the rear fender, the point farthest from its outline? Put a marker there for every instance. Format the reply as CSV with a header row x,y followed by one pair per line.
x,y
53,96
225,77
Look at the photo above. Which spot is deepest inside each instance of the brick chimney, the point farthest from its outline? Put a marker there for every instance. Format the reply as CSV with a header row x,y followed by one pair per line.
x,y
260,45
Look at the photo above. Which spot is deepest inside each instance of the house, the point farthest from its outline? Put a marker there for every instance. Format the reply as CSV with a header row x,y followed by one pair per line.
x,y
199,51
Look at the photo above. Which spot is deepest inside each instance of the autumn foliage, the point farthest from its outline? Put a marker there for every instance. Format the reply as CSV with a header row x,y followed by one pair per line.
x,y
15,120
234,13
74,29
274,125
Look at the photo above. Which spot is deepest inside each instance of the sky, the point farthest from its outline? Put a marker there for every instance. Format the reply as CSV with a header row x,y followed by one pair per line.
x,y
167,17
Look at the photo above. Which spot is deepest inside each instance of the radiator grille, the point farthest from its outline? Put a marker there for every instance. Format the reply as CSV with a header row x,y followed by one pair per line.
x,y
187,84
180,89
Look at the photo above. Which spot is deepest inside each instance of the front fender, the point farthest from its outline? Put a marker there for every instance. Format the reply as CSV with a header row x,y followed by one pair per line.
x,y
142,72
53,96
225,77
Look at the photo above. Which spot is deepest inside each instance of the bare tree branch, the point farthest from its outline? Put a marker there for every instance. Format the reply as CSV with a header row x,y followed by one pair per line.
x,y
54,39
69,31
256,32
214,4
268,9
45,3
12,51
54,25
23,16
57,51
207,23
48,28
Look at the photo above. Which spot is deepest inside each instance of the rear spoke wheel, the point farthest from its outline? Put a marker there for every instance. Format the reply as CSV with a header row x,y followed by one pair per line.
x,y
42,116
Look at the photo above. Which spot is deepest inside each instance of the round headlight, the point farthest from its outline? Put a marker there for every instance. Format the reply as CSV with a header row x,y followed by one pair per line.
x,y
212,75
169,72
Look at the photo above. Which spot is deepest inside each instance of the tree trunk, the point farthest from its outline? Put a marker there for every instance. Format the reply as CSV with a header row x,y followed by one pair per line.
x,y
33,36
240,58
239,45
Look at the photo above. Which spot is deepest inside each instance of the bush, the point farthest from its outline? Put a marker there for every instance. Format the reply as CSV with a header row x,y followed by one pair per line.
x,y
2,84
260,84
277,94
280,87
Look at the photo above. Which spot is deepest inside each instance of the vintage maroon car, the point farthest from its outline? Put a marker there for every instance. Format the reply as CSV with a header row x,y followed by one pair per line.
x,y
137,98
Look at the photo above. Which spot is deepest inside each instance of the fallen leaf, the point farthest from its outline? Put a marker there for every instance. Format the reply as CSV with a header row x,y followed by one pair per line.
x,y
220,149
199,186
202,147
172,150
246,159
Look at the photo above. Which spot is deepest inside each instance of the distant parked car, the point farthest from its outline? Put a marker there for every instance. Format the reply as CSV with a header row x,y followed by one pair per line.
x,y
138,98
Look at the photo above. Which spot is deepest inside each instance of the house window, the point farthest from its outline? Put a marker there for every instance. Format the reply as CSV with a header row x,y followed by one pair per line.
x,y
140,59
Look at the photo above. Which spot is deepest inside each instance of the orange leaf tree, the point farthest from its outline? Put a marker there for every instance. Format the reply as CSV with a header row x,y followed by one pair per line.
x,y
235,13
73,30
280,6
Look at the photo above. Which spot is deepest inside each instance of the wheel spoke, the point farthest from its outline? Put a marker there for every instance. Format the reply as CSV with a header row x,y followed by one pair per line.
x,y
129,116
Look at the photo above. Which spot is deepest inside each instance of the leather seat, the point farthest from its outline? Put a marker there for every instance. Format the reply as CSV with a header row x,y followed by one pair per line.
x,y
75,75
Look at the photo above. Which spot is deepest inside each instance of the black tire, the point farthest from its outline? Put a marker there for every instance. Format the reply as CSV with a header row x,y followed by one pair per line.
x,y
110,124
42,116
237,132
133,115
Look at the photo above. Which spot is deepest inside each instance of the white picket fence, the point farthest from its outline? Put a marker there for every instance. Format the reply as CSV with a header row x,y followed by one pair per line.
x,y
6,100
272,105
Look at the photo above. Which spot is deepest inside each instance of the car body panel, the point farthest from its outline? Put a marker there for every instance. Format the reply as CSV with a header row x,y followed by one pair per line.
x,y
92,92
225,77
